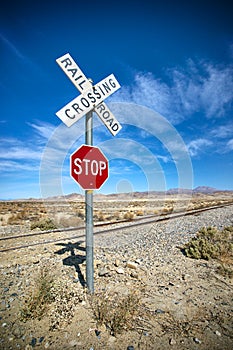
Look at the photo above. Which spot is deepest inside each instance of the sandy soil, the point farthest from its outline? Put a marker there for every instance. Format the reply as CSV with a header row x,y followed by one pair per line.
x,y
181,303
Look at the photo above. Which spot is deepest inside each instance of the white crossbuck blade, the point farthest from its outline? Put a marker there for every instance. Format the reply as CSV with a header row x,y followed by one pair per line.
x,y
91,96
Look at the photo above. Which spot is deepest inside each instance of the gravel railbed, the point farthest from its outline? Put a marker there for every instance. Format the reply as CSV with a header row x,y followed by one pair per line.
x,y
162,238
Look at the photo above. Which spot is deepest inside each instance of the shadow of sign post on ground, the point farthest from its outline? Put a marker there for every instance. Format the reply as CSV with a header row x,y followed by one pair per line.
x,y
74,259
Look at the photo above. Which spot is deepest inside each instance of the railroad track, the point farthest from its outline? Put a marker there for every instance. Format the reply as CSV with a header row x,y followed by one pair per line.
x,y
115,226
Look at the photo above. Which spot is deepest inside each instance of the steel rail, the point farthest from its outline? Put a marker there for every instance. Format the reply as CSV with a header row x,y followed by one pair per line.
x,y
132,224
79,228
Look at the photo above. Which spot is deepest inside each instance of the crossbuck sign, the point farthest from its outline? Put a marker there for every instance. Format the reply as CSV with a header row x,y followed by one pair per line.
x,y
91,97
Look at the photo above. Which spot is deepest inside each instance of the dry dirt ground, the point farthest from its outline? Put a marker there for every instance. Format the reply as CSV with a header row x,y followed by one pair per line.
x,y
172,301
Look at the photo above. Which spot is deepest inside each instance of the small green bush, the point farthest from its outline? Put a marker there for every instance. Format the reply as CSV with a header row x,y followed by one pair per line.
x,y
40,297
211,243
44,225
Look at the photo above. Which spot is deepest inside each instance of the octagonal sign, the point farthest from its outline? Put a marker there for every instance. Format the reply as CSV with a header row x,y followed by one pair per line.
x,y
89,167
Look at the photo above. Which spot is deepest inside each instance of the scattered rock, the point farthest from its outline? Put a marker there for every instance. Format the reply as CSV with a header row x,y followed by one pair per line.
x,y
117,262
28,347
159,311
18,332
132,265
120,271
97,263
197,341
73,343
33,342
103,272
134,274
172,341
111,339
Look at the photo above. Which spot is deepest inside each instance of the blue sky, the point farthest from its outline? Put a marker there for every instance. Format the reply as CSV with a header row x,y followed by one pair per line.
x,y
173,60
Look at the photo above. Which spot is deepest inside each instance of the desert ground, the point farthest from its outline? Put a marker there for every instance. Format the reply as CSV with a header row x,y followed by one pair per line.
x,y
148,293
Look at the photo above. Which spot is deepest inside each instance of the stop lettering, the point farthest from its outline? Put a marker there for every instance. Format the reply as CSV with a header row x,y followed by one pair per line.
x,y
89,167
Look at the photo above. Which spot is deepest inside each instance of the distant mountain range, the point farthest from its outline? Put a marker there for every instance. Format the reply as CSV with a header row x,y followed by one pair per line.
x,y
76,196
198,190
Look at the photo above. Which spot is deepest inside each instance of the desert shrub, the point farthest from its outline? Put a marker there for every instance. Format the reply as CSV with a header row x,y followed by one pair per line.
x,y
80,214
99,216
51,297
116,312
211,243
44,224
117,215
225,270
128,216
40,297
69,221
140,213
167,210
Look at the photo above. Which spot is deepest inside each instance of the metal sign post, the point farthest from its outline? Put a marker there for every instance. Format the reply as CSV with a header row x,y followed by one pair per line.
x,y
89,213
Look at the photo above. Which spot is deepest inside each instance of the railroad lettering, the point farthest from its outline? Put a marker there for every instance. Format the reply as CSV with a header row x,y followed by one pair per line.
x,y
91,97
77,108
73,72
67,62
110,121
106,114
97,94
107,88
85,102
112,83
108,118
115,127
101,90
67,114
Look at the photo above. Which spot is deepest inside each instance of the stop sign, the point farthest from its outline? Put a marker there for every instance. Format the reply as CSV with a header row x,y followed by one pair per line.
x,y
89,167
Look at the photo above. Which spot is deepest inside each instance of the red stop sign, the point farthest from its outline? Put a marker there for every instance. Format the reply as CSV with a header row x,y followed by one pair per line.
x,y
89,167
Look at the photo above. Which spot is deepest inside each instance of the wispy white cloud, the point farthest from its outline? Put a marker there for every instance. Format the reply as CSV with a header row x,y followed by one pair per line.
x,y
16,149
12,47
204,87
19,56
230,145
198,146
11,166
44,130
165,159
198,87
147,91
222,131
17,155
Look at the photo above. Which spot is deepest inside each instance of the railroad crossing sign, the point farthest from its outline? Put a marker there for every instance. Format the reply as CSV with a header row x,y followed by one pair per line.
x,y
91,96
89,167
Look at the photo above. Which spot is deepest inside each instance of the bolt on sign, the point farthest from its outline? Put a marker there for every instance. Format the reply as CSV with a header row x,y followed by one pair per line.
x,y
91,97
